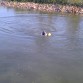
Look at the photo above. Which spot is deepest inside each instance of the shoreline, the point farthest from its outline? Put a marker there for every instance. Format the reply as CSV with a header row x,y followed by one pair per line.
x,y
50,8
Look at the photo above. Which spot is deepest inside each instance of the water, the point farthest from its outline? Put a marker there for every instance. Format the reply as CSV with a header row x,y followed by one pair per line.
x,y
28,57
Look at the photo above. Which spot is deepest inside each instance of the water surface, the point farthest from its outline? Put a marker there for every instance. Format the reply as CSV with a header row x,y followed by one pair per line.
x,y
28,57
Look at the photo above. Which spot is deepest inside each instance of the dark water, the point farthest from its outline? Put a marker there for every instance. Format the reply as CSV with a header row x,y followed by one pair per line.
x,y
28,57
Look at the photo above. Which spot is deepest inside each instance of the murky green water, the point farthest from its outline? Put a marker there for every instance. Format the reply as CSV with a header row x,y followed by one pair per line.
x,y
28,57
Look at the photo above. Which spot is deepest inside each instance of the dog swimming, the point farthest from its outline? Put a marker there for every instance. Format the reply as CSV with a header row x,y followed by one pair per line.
x,y
46,34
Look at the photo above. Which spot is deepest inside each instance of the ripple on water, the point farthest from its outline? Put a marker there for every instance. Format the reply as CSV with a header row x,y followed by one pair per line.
x,y
25,25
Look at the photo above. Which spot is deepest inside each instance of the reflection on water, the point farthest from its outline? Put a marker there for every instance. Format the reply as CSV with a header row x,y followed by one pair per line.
x,y
28,57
